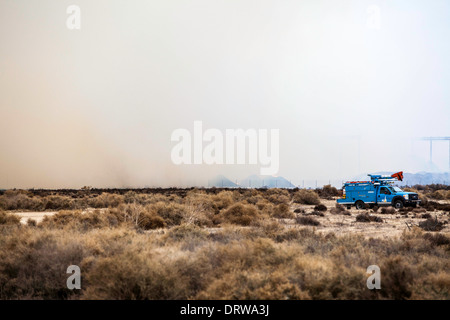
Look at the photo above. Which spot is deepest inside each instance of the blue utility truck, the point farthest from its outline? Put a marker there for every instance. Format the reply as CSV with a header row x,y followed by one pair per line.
x,y
378,191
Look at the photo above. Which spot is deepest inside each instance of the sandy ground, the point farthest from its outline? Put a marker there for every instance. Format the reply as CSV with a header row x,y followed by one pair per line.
x,y
393,224
37,216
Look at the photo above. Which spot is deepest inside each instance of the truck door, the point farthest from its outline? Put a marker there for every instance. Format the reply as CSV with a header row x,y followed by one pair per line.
x,y
384,196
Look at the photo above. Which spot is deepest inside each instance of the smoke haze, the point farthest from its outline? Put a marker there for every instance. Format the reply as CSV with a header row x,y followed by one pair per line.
x,y
97,106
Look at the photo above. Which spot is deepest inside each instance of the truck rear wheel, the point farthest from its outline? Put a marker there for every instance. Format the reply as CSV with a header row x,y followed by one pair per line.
x,y
398,204
360,205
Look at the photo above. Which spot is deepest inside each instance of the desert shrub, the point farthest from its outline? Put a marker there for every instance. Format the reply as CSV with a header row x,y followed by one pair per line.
x,y
282,211
172,213
425,216
288,235
186,232
307,221
327,192
443,206
431,225
72,219
241,214
139,216
375,208
222,200
277,196
339,209
320,207
33,265
9,218
376,219
253,285
20,200
84,221
266,208
397,278
304,196
106,200
433,205
196,213
61,219
254,199
316,213
279,199
210,203
388,210
277,192
365,217
131,197
440,195
423,198
150,220
406,209
270,228
94,220
141,278
31,223
298,210
57,202
142,198
437,239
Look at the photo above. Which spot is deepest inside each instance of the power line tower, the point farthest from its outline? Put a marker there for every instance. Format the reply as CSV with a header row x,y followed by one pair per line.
x,y
431,139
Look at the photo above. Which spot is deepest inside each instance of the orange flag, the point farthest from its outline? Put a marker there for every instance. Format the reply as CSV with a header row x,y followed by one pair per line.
x,y
398,175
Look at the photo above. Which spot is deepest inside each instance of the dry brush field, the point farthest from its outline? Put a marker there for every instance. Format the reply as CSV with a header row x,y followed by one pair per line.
x,y
220,244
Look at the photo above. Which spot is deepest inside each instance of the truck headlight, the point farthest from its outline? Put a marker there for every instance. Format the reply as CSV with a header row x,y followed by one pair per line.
x,y
405,196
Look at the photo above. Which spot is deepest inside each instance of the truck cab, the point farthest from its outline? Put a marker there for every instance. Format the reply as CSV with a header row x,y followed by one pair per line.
x,y
391,195
379,191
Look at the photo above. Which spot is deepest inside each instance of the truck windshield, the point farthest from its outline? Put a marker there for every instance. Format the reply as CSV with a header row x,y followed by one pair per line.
x,y
391,189
397,189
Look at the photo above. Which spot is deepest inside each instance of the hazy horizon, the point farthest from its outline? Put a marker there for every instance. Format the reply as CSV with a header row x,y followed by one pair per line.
x,y
97,106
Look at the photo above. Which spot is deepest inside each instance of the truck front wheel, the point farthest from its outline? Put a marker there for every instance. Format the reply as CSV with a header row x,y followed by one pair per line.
x,y
398,204
360,205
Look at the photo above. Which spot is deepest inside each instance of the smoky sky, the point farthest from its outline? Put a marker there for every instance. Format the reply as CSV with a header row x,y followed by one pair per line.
x,y
349,84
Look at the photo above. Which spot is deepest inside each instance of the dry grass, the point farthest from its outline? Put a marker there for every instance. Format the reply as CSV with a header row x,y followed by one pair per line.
x,y
307,221
365,217
339,209
306,197
216,245
240,214
8,218
431,224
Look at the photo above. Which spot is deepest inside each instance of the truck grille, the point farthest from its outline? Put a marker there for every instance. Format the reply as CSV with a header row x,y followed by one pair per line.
x,y
414,196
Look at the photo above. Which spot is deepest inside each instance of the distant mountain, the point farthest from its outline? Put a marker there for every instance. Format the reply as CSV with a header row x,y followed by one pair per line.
x,y
222,182
425,178
255,181
415,178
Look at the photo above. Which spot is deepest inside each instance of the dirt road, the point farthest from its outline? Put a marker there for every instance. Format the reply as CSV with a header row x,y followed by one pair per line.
x,y
37,216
